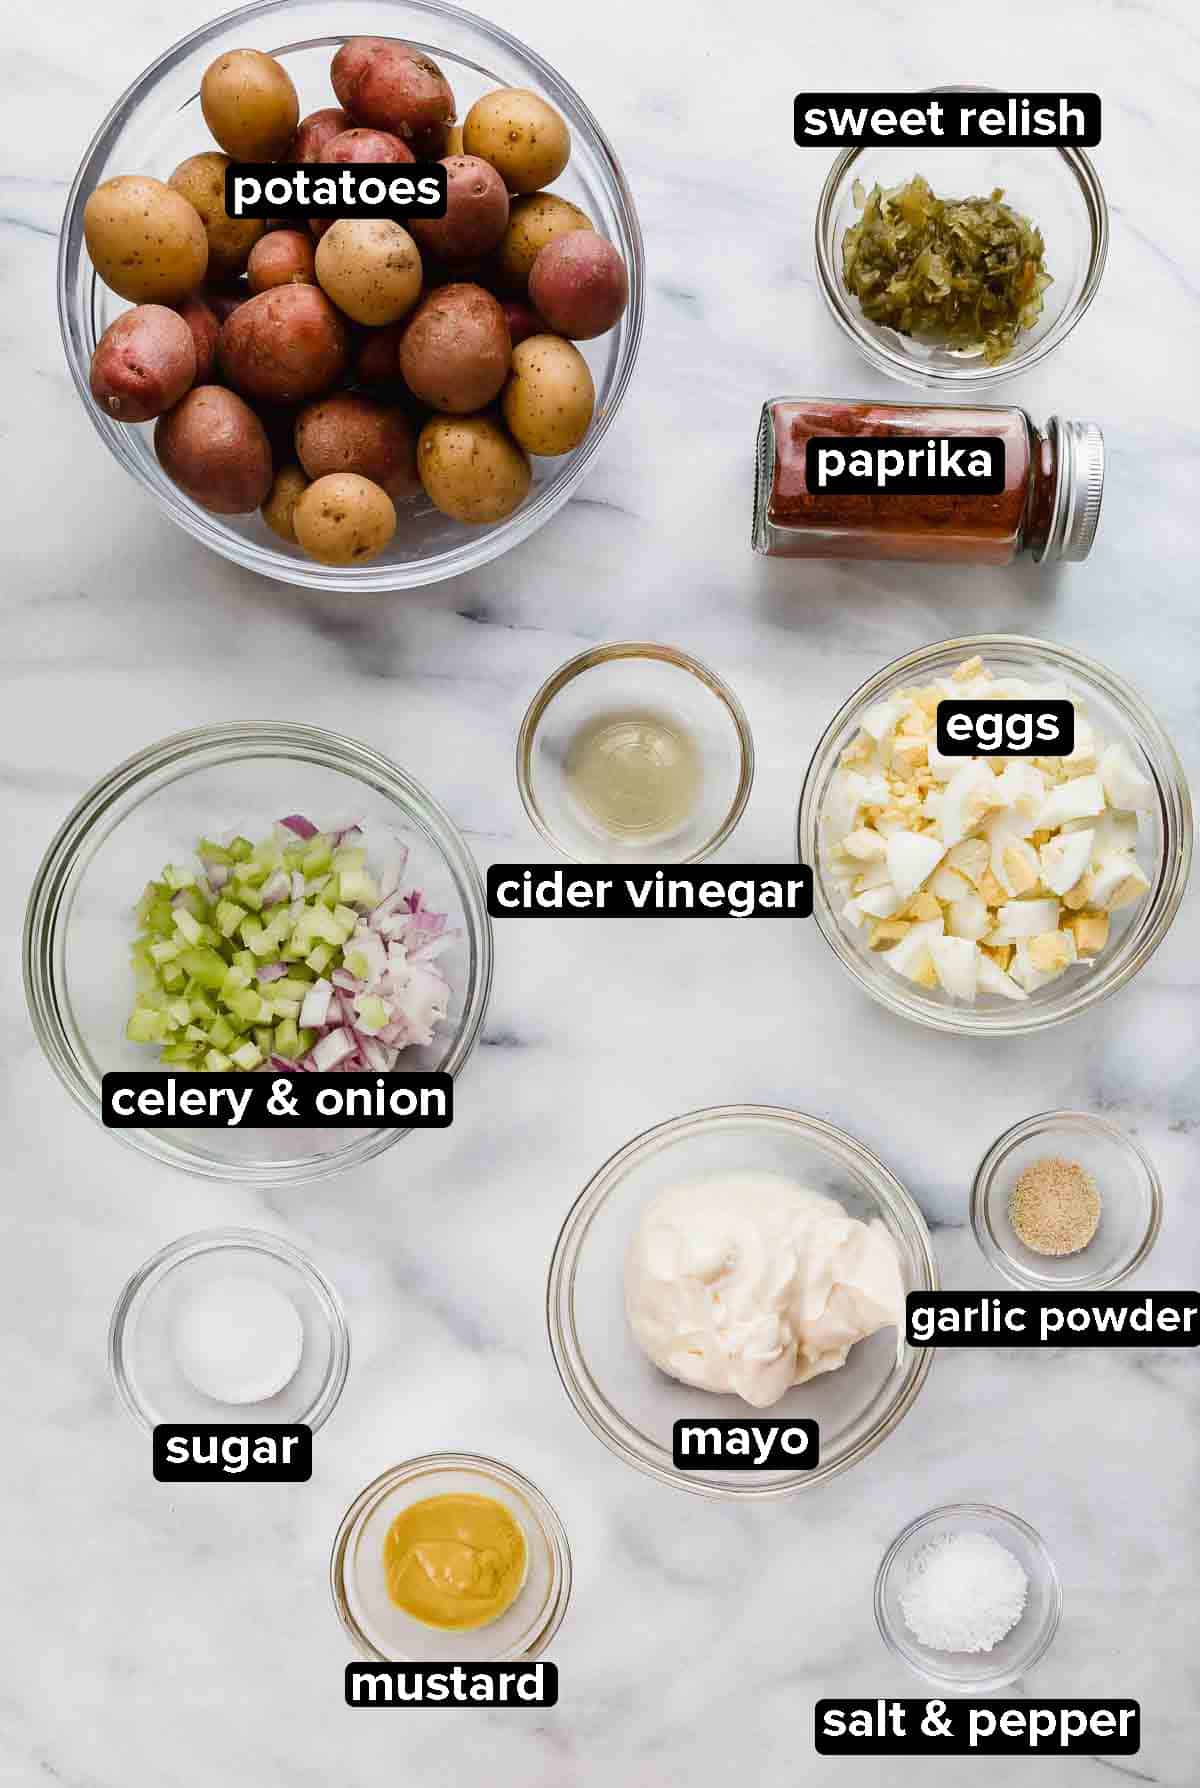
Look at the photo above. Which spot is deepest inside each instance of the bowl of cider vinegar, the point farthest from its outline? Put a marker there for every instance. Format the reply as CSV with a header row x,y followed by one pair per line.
x,y
635,753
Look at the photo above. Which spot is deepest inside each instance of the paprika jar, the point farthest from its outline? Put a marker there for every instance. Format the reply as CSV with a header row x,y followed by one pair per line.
x,y
1048,504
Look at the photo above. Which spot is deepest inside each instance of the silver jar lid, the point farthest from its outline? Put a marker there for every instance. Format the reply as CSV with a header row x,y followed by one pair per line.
x,y
1078,489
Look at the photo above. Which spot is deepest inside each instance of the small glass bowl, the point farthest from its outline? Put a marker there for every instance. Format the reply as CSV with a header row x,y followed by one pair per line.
x,y
625,1400
659,681
152,810
971,1673
141,1353
383,1632
1130,1202
157,122
1057,189
1164,843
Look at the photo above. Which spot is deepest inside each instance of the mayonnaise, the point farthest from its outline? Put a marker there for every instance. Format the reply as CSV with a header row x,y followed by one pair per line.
x,y
752,1283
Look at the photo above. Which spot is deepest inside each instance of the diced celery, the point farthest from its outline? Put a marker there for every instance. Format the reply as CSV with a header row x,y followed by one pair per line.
x,y
307,1039
172,977
318,857
285,1008
349,857
216,1063
247,1005
180,1014
247,1056
194,1034
146,1026
287,1040
320,959
357,888
221,1033
161,918
241,849
372,1013
245,959
178,875
251,897
264,1036
236,980
229,917
205,966
208,852
202,1007
179,1055
164,949
188,924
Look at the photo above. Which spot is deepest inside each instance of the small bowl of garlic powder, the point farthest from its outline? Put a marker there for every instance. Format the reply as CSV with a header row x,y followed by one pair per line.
x,y
968,1597
1066,1201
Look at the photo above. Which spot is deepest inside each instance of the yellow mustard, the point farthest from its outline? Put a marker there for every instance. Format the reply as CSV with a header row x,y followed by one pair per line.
x,y
454,1562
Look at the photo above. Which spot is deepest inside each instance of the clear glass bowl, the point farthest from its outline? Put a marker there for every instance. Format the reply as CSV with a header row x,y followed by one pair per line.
x,y
152,810
385,1633
140,1349
1164,844
625,1400
971,1673
1057,189
157,122
657,681
1130,1202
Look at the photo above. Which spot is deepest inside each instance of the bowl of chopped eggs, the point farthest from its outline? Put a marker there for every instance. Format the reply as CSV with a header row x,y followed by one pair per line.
x,y
1003,892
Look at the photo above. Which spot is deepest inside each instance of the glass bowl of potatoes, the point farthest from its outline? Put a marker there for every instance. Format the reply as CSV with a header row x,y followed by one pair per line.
x,y
353,474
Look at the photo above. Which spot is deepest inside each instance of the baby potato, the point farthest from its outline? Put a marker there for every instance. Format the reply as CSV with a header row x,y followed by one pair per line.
x,y
250,105
471,469
205,326
549,399
201,180
476,212
344,519
522,320
394,87
455,353
143,363
316,132
146,241
371,268
533,221
285,345
579,284
214,447
287,487
352,433
525,139
281,258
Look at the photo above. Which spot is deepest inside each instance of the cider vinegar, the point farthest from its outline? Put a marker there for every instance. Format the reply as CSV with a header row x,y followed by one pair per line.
x,y
634,773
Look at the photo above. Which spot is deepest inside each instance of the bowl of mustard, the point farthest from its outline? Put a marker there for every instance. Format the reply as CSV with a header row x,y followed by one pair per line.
x,y
451,1557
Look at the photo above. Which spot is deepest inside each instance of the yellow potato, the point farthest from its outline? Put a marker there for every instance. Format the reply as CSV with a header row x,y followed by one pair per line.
x,y
250,105
145,240
343,519
279,510
534,220
201,180
371,268
525,139
549,399
471,469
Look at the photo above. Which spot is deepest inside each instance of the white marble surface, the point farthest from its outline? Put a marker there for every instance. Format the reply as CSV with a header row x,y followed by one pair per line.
x,y
178,1638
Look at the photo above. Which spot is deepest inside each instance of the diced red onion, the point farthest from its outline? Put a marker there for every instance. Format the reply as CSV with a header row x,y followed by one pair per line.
x,y
273,971
315,1009
303,828
331,1049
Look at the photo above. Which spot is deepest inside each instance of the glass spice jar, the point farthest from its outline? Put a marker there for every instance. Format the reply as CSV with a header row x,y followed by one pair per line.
x,y
1049,506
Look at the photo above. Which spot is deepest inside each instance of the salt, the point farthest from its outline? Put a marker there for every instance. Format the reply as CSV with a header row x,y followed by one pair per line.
x,y
964,1592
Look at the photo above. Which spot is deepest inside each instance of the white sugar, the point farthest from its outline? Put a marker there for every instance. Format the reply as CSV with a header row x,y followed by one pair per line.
x,y
239,1340
964,1592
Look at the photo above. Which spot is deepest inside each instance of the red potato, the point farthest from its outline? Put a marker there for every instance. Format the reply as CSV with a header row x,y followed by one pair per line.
x,y
281,258
579,284
377,355
476,212
143,363
205,326
455,354
215,449
523,321
316,132
361,145
352,433
285,345
394,87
